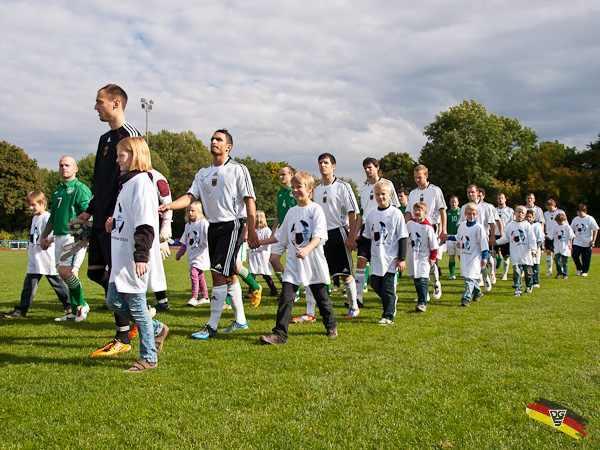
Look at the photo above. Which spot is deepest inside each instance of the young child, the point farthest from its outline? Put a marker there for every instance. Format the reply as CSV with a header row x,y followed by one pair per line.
x,y
586,230
472,242
259,257
195,241
422,253
303,232
386,231
506,214
134,243
452,221
519,233
562,238
538,231
39,262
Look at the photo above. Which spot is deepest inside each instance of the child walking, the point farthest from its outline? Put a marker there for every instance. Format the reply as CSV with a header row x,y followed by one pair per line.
x,y
452,223
195,241
538,231
519,233
39,262
386,232
562,239
259,257
422,253
473,245
586,230
134,243
303,232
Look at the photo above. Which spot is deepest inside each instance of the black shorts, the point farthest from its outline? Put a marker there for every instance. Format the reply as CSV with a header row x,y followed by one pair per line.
x,y
224,241
549,244
363,245
339,258
502,249
99,250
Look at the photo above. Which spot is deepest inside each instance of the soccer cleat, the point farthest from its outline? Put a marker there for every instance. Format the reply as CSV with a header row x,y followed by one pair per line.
x,y
565,277
162,307
235,326
66,317
193,302
529,290
82,313
332,333
256,297
114,347
204,334
584,274
421,307
437,290
487,283
133,332
493,278
536,285
304,318
477,296
578,273
385,321
452,277
517,292
159,340
14,314
352,313
504,276
272,339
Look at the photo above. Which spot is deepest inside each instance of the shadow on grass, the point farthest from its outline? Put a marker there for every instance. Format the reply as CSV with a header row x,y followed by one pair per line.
x,y
10,359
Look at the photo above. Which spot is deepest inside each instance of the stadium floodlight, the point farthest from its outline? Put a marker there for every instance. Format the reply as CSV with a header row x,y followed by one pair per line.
x,y
147,107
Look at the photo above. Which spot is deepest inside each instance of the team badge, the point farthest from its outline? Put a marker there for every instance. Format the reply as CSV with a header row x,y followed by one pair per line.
x,y
213,182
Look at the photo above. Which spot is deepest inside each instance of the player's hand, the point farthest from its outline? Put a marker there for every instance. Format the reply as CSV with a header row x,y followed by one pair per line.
x,y
108,224
84,217
401,266
164,207
45,243
443,237
165,232
253,241
141,268
302,252
351,243
165,251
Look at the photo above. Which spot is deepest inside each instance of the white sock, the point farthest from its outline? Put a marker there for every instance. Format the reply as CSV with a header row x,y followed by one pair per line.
x,y
435,272
310,302
549,263
351,292
219,293
506,265
360,281
235,291
492,264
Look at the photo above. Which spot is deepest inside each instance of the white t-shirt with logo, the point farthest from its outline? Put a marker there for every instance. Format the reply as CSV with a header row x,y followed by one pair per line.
x,y
222,190
521,237
40,261
486,215
433,198
300,225
367,197
583,228
506,215
258,258
195,238
337,200
421,241
562,237
550,221
137,204
384,228
472,241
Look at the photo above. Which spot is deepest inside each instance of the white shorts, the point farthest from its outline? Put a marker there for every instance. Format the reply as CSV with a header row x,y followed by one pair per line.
x,y
441,251
242,255
75,261
451,248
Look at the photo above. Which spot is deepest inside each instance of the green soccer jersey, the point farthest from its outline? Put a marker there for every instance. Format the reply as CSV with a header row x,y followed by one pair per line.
x,y
70,199
453,219
285,200
402,209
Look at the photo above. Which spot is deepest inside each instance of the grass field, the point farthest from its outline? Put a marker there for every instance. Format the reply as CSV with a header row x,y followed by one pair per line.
x,y
450,378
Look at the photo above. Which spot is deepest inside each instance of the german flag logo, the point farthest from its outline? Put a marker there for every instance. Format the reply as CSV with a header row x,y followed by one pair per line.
x,y
557,417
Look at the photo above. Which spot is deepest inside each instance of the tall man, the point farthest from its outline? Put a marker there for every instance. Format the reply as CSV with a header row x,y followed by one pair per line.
x,y
530,204
433,197
506,214
339,205
226,192
549,224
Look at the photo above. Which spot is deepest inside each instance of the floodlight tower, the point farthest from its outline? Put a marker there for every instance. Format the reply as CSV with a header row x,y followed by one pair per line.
x,y
147,106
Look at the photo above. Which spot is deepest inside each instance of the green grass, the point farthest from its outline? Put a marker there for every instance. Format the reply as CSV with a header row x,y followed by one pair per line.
x,y
451,378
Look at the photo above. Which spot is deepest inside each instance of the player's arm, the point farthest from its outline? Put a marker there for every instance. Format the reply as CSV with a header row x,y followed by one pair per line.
x,y
305,251
182,202
443,224
251,222
353,220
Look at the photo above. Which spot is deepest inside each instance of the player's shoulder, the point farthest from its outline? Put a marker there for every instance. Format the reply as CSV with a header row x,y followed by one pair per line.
x,y
128,130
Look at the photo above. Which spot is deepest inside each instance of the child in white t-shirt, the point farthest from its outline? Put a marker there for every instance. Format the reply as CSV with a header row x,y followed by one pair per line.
x,y
562,241
538,231
422,252
386,230
523,245
259,257
586,230
303,232
194,240
472,241
39,262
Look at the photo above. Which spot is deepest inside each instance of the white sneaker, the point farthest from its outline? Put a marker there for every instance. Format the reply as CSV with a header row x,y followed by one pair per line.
x,y
480,282
385,321
488,284
536,285
193,302
82,313
421,307
584,274
504,276
493,277
152,311
203,301
67,316
578,273
437,290
227,307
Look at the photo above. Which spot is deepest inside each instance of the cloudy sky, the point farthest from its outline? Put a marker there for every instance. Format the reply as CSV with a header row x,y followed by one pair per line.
x,y
292,79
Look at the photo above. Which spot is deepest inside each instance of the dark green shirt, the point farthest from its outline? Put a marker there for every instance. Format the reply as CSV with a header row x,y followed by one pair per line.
x,y
285,200
453,219
70,199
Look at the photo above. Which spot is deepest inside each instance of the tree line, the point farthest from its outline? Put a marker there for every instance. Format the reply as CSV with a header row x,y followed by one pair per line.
x,y
465,144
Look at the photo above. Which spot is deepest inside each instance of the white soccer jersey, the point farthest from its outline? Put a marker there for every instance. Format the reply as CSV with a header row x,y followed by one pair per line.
x,y
300,225
583,228
472,241
136,205
384,228
258,258
486,215
222,190
538,213
38,260
336,200
195,238
520,236
506,215
562,237
550,222
367,197
421,241
433,198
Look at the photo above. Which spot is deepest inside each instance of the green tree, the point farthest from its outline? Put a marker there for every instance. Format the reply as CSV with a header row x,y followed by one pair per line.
x,y
18,176
398,168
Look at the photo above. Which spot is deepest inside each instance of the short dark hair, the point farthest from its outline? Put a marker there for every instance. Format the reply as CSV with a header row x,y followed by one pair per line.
x,y
114,90
327,155
582,207
370,160
482,191
227,134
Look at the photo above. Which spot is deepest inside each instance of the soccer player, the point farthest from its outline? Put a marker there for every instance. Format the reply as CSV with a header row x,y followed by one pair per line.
x,y
586,230
70,198
368,203
339,205
491,262
433,197
453,219
226,192
530,204
506,214
549,224
403,199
